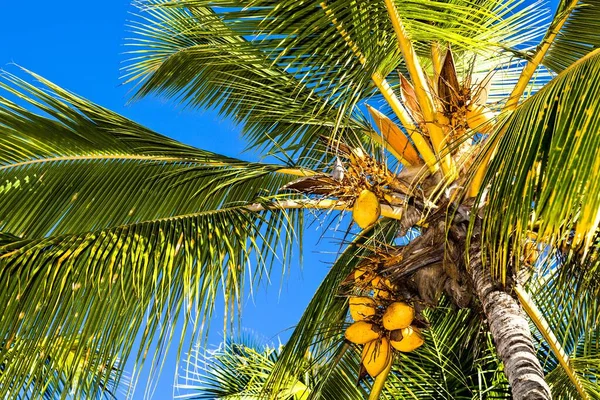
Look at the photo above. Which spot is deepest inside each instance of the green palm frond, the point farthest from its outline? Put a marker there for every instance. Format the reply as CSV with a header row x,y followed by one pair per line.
x,y
239,369
458,361
111,228
468,26
83,168
234,370
260,63
578,37
570,307
542,178
203,58
65,372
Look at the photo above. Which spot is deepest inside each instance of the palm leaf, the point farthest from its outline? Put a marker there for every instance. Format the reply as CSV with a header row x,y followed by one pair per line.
x,y
191,52
240,368
111,227
570,307
96,169
64,373
578,36
457,361
546,170
298,69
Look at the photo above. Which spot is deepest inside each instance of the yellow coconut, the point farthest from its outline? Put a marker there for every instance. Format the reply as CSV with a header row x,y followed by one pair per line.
x,y
398,315
442,119
382,288
366,209
362,332
363,276
362,307
412,339
376,356
478,117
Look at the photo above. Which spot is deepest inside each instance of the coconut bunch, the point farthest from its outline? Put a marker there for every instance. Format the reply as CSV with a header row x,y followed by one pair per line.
x,y
359,180
385,318
382,329
391,288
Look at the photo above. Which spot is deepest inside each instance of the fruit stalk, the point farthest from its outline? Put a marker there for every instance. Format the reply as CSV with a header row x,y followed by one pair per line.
x,y
379,382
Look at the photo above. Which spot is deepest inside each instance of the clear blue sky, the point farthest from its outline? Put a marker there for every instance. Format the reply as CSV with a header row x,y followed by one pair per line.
x,y
79,45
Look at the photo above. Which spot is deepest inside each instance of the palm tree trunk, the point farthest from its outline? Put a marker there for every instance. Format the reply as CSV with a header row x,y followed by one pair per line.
x,y
511,334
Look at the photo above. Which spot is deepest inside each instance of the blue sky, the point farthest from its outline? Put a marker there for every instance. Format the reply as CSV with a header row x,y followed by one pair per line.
x,y
79,45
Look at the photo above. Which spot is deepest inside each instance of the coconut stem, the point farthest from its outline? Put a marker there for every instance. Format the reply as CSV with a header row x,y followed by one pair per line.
x,y
379,382
326,204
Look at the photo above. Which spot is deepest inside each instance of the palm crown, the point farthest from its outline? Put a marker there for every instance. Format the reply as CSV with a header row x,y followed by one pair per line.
x,y
410,110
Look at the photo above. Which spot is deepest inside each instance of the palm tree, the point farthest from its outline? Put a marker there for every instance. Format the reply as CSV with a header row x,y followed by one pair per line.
x,y
456,366
410,110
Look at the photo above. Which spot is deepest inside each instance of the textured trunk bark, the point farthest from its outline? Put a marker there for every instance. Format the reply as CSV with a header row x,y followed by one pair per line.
x,y
511,334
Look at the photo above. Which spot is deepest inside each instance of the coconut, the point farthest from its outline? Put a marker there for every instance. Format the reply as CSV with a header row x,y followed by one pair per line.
x,y
398,315
366,209
412,339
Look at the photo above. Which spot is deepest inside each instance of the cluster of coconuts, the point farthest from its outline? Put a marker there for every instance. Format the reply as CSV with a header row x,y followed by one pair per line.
x,y
381,323
379,334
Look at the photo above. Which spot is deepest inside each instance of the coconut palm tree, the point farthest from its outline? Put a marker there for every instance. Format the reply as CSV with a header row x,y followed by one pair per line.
x,y
470,127
456,366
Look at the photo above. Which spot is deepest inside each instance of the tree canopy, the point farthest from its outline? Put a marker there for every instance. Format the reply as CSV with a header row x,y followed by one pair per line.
x,y
469,128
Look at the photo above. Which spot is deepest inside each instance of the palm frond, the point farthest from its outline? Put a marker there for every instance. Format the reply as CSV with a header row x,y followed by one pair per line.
x,y
106,285
285,69
235,369
543,177
83,167
189,51
64,372
579,35
570,307
238,369
110,227
458,360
